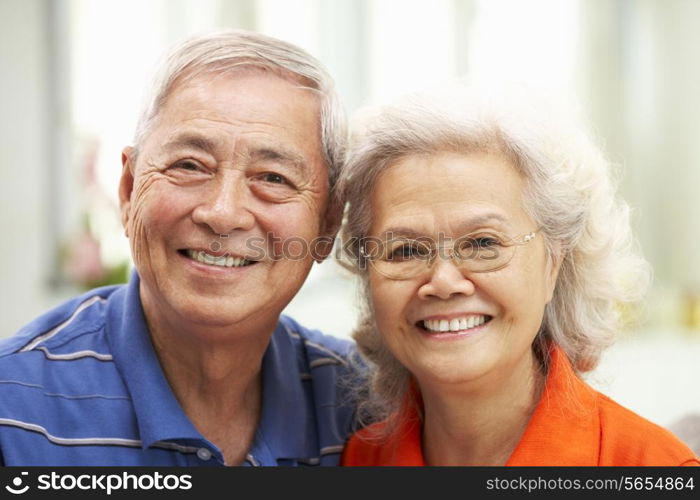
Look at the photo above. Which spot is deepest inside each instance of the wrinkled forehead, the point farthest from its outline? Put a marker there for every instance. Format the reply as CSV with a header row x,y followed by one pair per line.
x,y
242,68
262,102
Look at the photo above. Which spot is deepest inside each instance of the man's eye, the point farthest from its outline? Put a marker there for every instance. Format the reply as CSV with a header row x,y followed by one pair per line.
x,y
187,165
274,178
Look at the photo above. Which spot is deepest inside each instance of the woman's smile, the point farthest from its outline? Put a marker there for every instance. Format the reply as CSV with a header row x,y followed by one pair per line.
x,y
453,326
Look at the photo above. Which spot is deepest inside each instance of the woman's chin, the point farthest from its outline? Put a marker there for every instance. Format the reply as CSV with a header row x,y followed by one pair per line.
x,y
451,372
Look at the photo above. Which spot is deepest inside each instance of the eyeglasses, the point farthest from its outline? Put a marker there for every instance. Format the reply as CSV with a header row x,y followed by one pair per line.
x,y
479,252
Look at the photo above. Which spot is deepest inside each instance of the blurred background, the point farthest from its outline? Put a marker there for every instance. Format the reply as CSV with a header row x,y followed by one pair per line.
x,y
72,80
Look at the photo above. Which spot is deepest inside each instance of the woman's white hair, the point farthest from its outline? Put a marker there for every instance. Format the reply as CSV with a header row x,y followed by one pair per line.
x,y
570,193
225,51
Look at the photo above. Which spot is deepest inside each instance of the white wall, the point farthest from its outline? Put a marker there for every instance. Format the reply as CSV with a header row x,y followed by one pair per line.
x,y
24,162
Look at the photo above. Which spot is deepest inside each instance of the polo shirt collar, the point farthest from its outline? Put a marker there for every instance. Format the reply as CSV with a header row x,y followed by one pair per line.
x,y
158,413
286,428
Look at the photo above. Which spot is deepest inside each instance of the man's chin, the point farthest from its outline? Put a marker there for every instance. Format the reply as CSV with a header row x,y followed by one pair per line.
x,y
215,312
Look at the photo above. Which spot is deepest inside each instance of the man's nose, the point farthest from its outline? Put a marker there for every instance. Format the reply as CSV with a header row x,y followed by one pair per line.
x,y
446,279
225,204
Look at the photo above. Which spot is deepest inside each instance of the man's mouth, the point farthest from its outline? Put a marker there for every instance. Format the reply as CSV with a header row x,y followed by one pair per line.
x,y
213,260
454,324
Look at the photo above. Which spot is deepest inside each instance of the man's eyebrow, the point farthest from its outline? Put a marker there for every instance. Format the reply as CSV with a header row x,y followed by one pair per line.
x,y
192,141
285,156
202,143
277,154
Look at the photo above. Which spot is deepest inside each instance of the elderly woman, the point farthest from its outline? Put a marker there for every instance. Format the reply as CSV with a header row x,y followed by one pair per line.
x,y
495,260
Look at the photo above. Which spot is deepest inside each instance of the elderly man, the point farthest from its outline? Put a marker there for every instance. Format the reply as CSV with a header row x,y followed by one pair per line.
x,y
225,198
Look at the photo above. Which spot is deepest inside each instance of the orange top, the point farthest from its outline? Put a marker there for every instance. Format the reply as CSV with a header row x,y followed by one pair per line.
x,y
572,425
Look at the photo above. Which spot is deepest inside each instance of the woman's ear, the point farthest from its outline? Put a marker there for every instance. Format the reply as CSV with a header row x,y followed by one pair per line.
x,y
126,186
555,258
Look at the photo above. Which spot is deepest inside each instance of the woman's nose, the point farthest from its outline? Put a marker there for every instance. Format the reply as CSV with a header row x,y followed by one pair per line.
x,y
445,280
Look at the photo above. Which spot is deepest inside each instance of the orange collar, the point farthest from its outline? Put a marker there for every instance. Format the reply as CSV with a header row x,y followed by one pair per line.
x,y
563,430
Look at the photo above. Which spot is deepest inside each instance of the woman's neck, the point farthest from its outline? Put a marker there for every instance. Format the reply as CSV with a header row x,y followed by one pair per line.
x,y
480,423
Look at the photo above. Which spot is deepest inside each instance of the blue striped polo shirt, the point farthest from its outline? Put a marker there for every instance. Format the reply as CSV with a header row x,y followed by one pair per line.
x,y
81,385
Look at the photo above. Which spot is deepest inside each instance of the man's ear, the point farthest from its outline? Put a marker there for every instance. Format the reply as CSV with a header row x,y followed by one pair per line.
x,y
330,224
126,186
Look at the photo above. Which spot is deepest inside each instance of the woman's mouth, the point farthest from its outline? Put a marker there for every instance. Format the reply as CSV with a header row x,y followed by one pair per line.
x,y
453,326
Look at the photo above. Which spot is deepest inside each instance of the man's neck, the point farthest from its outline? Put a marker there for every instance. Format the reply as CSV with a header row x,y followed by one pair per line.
x,y
215,374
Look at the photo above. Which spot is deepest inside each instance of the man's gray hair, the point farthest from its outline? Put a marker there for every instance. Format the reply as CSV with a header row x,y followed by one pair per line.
x,y
224,51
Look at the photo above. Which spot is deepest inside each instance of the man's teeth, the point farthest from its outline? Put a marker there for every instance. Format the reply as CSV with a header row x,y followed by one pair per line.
x,y
223,261
453,325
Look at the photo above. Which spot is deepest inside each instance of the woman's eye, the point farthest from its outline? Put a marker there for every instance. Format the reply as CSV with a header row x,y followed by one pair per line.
x,y
408,251
485,242
478,241
472,247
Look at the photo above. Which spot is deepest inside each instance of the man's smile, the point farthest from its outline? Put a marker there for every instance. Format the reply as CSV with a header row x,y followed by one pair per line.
x,y
213,260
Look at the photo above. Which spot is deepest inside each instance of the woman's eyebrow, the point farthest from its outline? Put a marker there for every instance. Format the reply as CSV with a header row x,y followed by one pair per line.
x,y
464,226
480,220
401,232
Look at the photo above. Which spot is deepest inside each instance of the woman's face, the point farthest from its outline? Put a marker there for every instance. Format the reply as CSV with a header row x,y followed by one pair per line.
x,y
492,317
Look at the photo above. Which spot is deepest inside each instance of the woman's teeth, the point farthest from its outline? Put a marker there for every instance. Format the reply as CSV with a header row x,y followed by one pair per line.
x,y
223,261
454,325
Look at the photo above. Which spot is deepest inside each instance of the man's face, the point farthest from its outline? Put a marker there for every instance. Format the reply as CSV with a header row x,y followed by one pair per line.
x,y
229,183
